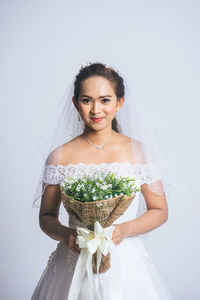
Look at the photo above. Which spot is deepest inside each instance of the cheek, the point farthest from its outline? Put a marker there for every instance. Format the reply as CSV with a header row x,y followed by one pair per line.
x,y
110,109
83,108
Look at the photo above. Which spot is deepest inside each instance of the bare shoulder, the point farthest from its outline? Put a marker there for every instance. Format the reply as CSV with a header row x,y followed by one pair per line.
x,y
139,152
136,146
61,154
126,139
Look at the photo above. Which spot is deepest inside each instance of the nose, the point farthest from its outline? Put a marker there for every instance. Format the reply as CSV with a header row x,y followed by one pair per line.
x,y
95,109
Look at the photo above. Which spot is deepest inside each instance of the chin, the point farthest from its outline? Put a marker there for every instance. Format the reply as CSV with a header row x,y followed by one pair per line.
x,y
95,126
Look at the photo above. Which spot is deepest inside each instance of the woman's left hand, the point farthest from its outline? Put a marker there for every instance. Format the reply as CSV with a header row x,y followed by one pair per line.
x,y
118,234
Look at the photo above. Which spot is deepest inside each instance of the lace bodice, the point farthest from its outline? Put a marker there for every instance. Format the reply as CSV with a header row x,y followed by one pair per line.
x,y
143,173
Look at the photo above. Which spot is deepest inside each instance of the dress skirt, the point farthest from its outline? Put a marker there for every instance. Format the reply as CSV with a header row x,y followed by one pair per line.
x,y
140,279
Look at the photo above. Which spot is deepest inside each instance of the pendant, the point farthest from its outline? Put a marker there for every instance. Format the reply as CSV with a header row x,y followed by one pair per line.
x,y
99,147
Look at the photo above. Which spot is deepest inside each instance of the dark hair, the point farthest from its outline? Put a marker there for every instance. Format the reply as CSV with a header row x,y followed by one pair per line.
x,y
99,69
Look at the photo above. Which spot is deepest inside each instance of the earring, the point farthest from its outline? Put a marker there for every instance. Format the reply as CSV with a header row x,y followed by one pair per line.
x,y
79,118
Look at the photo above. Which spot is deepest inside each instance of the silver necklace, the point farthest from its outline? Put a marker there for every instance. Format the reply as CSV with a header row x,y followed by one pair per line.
x,y
97,146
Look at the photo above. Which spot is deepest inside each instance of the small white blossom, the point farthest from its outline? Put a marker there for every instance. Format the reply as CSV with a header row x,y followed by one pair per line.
x,y
78,187
103,187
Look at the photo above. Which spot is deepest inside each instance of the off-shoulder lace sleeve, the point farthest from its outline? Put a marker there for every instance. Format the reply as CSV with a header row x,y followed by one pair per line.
x,y
53,174
150,174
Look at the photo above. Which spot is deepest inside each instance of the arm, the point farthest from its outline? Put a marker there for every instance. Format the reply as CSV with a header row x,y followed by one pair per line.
x,y
156,215
48,218
49,210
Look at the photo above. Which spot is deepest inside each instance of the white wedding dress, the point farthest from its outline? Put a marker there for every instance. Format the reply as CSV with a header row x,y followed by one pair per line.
x,y
140,279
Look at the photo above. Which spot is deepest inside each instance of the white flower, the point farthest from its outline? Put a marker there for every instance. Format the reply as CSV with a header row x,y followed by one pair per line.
x,y
103,187
94,197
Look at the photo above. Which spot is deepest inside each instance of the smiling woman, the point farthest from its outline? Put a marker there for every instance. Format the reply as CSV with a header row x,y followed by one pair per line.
x,y
110,137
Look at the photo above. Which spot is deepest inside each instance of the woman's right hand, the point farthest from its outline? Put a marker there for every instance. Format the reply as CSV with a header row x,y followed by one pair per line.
x,y
69,238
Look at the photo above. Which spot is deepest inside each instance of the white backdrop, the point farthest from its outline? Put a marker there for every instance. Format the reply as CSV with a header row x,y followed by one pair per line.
x,y
42,44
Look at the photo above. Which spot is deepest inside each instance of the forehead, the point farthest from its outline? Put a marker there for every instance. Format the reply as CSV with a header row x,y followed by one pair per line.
x,y
97,85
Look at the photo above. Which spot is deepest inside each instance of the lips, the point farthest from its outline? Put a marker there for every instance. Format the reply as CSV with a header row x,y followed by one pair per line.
x,y
96,119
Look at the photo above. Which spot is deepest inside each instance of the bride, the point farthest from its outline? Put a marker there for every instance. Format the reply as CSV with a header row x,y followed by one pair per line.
x,y
98,96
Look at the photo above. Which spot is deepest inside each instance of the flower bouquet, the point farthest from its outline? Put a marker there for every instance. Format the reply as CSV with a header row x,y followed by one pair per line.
x,y
102,197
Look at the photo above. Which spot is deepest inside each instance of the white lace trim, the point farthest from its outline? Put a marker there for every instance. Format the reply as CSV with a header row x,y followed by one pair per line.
x,y
143,173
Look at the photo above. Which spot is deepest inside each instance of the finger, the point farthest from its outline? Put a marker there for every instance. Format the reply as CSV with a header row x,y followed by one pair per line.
x,y
76,247
72,243
76,250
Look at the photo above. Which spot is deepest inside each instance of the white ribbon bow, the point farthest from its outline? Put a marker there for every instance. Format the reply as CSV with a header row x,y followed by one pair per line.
x,y
99,240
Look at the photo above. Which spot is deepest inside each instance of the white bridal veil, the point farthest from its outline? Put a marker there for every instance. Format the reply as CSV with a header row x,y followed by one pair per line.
x,y
64,124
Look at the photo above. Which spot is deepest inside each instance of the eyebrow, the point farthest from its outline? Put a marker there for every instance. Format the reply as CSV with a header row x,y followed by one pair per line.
x,y
99,97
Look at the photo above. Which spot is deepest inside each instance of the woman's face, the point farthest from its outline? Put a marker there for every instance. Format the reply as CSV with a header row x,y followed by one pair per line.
x,y
97,103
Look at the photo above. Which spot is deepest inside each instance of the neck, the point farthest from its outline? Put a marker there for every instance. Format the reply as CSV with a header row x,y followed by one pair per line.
x,y
98,137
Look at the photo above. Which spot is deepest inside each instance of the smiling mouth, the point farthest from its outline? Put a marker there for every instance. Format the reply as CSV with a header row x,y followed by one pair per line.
x,y
96,119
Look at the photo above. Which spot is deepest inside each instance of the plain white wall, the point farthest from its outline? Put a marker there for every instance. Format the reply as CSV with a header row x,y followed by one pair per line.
x,y
42,44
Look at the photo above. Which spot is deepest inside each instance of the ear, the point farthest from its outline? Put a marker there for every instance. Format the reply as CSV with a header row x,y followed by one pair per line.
x,y
119,103
75,102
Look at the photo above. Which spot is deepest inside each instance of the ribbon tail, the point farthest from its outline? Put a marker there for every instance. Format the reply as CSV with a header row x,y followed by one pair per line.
x,y
92,279
97,282
115,274
78,275
99,256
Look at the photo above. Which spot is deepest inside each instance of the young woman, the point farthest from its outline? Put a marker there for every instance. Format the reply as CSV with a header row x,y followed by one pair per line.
x,y
98,96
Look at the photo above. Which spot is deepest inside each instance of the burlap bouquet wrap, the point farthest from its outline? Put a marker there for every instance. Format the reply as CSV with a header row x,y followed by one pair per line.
x,y
105,211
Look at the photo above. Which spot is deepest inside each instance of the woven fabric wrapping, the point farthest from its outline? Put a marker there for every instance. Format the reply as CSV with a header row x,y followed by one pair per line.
x,y
105,211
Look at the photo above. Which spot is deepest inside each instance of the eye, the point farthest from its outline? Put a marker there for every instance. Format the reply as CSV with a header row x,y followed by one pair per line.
x,y
106,99
84,100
